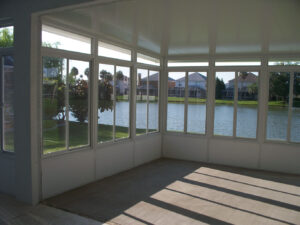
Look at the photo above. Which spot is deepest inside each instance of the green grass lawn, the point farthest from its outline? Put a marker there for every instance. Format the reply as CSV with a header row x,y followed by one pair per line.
x,y
54,137
225,102
9,141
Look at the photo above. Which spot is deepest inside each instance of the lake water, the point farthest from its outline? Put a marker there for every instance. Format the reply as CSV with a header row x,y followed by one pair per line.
x,y
223,123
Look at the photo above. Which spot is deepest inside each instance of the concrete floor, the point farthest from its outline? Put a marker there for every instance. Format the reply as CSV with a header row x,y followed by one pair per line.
x,y
13,212
180,192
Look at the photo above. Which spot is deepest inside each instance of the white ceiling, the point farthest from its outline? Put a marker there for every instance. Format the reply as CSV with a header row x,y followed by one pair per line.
x,y
183,27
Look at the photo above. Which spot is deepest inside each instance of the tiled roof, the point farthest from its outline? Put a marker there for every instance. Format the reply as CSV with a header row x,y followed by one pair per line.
x,y
194,77
249,77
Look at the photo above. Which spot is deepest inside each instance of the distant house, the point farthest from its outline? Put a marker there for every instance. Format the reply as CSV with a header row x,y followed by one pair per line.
x,y
196,80
245,81
196,86
122,86
153,85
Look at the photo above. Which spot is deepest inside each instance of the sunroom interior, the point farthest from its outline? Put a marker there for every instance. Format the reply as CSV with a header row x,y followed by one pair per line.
x,y
151,86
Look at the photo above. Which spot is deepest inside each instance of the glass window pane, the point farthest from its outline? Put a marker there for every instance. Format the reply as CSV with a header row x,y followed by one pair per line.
x,y
224,103
236,63
105,103
176,96
54,110
295,123
197,86
78,103
122,101
141,101
147,60
6,36
284,63
8,103
56,38
247,104
278,106
153,101
112,51
172,63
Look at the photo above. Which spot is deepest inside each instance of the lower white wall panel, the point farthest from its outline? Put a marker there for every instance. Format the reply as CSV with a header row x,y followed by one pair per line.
x,y
7,174
71,170
280,157
147,149
185,147
114,159
65,172
234,153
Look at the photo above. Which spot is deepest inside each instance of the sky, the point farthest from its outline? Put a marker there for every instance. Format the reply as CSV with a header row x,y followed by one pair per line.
x,y
10,29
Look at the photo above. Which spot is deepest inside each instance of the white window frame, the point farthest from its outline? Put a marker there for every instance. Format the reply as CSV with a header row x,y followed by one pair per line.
x,y
292,69
236,70
68,57
156,69
186,70
95,60
7,51
115,65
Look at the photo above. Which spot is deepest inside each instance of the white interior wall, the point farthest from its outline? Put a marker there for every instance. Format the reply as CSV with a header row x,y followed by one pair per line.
x,y
74,169
240,153
7,174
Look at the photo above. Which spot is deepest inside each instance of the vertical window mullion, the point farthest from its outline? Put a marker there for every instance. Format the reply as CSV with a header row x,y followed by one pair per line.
x,y
93,84
290,106
89,104
2,101
159,100
147,122
185,102
67,106
235,99
114,103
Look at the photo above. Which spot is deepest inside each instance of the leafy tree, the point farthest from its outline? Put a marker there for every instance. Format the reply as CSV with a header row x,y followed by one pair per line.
x,y
54,89
105,91
6,38
220,87
296,101
279,86
106,76
49,45
79,99
120,75
253,89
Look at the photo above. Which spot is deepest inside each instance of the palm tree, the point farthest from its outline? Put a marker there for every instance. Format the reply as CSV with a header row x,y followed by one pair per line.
x,y
6,38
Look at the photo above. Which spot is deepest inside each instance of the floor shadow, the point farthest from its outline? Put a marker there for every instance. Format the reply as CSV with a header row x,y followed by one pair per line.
x,y
232,207
244,195
284,178
185,212
108,198
252,185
